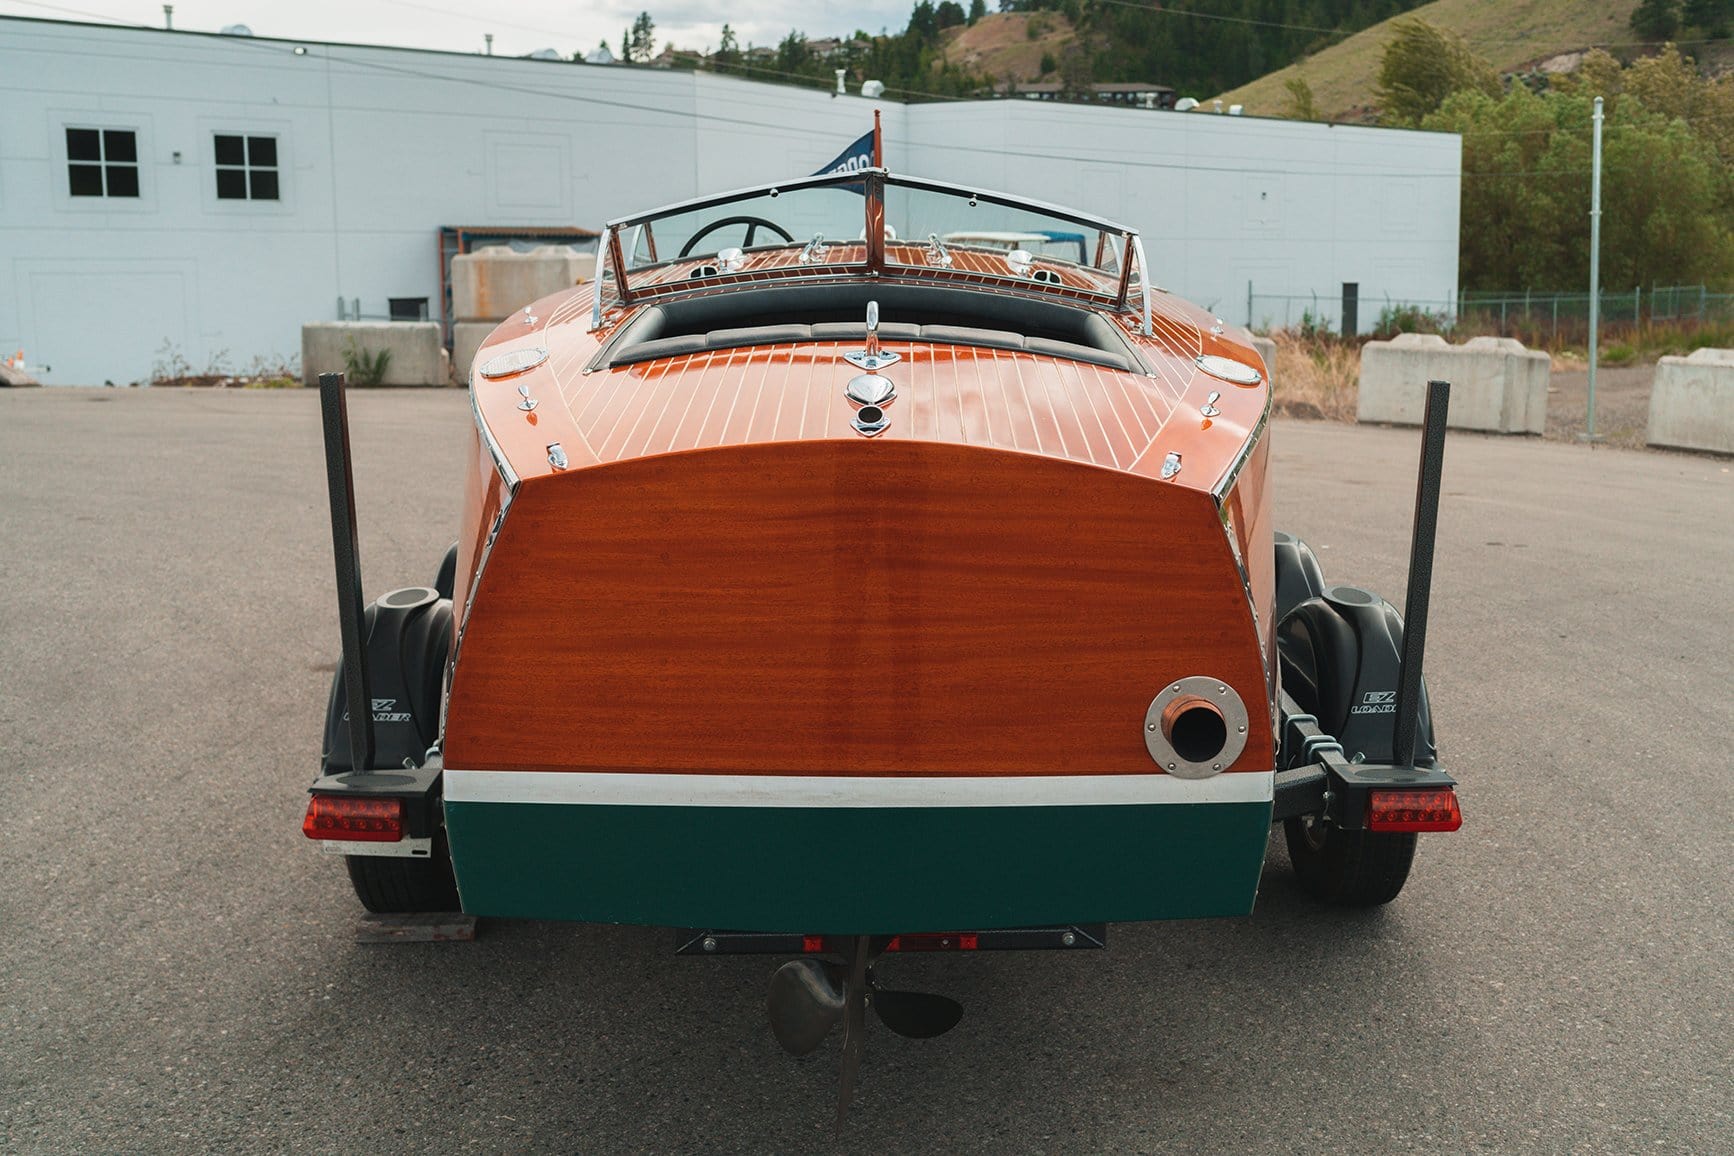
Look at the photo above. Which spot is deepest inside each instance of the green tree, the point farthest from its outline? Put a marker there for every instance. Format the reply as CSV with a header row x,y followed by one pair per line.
x,y
1301,105
1077,75
1656,19
728,49
642,38
977,9
1711,17
1526,190
793,55
1423,64
923,22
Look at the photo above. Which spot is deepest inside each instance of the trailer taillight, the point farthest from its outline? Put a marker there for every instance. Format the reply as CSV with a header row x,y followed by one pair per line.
x,y
1408,809
357,818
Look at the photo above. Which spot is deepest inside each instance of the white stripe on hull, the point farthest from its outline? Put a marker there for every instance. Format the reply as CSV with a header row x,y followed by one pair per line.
x,y
680,790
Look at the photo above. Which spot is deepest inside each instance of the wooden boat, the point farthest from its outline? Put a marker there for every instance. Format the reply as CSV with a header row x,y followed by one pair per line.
x,y
846,586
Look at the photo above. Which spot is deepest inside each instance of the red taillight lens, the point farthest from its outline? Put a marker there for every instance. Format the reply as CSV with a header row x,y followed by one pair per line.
x,y
354,817
934,941
1403,809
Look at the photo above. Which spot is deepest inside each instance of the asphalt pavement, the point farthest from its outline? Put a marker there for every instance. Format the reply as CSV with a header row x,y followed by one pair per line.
x,y
178,969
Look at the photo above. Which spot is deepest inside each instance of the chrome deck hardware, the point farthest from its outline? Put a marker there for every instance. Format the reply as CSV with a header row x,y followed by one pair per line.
x,y
814,252
872,358
1170,465
1229,370
870,420
512,362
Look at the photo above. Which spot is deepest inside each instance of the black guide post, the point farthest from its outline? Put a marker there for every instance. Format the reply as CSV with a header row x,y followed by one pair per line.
x,y
1420,571
340,481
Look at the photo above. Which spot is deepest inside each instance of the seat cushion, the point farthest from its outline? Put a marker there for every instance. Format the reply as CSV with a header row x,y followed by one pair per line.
x,y
968,335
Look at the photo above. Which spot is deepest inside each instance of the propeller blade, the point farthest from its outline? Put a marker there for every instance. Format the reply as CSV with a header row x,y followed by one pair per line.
x,y
919,1015
805,1003
854,1026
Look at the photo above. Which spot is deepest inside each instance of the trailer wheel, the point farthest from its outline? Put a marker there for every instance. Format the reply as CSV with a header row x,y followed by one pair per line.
x,y
388,885
1350,868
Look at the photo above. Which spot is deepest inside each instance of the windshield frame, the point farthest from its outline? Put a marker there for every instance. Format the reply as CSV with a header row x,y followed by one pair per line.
x,y
873,183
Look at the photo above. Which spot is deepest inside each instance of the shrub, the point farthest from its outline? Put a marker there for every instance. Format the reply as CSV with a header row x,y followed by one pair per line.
x,y
1395,319
365,368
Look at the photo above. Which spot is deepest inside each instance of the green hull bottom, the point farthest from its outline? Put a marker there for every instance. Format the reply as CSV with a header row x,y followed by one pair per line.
x,y
857,870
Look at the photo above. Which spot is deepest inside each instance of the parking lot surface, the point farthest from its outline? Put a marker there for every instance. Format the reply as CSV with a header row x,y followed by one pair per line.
x,y
178,968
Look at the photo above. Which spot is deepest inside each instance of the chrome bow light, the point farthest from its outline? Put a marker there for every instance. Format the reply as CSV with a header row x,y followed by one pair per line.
x,y
513,362
1229,370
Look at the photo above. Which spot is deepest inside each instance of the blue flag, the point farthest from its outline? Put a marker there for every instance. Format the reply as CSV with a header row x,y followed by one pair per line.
x,y
852,159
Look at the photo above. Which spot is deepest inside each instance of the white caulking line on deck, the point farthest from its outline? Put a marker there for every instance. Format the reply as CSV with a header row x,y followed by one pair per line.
x,y
691,395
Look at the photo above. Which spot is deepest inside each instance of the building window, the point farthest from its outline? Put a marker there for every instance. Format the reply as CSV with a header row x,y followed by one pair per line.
x,y
102,162
246,168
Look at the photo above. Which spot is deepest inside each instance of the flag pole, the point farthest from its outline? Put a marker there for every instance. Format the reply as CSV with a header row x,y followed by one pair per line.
x,y
878,142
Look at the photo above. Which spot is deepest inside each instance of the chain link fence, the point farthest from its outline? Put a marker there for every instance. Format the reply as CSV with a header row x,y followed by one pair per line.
x,y
1537,319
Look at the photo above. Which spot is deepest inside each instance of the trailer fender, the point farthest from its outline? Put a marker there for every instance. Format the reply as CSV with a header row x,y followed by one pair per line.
x,y
407,638
1341,653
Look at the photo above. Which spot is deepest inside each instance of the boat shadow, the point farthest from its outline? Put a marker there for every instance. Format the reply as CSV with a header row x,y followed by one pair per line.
x,y
598,1028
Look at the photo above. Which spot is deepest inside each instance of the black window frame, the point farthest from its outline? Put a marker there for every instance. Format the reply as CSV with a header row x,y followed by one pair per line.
x,y
256,175
102,163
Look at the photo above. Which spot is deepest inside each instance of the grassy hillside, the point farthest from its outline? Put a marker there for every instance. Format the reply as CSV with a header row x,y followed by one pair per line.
x,y
1005,45
1509,34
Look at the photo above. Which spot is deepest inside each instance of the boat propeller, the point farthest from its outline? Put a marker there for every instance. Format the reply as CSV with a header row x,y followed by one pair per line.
x,y
810,997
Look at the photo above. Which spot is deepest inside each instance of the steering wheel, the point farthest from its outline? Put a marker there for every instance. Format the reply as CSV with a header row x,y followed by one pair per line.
x,y
752,223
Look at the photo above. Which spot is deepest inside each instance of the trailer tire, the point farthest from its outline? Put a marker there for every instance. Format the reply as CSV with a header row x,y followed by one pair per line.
x,y
1348,868
408,635
387,885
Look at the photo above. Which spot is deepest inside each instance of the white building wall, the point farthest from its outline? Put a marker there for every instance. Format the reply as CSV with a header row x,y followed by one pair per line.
x,y
1221,201
380,147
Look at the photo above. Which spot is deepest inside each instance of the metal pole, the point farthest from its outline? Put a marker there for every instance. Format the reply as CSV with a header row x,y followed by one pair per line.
x,y
1595,264
351,617
1424,533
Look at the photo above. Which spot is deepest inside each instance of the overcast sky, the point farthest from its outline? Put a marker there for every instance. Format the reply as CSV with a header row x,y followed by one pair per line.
x,y
520,27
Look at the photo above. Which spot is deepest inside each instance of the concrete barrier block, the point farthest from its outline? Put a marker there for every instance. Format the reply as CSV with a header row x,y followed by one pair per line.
x,y
418,357
1497,385
467,337
490,283
1267,350
14,376
1692,402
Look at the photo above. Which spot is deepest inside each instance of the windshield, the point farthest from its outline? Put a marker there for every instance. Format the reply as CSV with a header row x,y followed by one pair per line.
x,y
1008,237
754,222
867,221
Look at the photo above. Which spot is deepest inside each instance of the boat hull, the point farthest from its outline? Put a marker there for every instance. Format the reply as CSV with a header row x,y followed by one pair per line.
x,y
1139,848
851,687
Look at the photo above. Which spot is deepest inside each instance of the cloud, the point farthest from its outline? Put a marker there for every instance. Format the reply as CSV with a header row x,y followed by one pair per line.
x,y
526,26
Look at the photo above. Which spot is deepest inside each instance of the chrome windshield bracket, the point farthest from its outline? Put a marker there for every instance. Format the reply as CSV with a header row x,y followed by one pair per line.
x,y
1145,285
